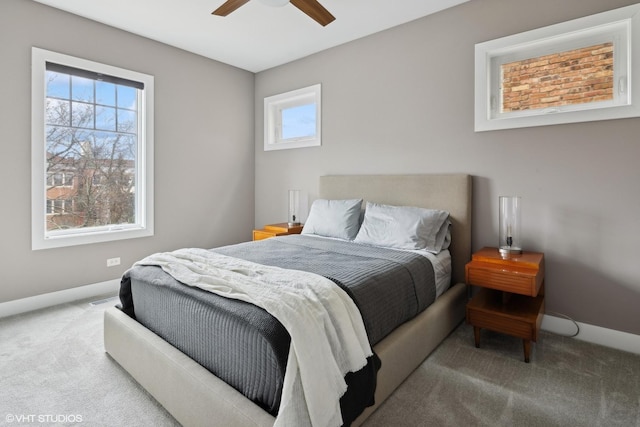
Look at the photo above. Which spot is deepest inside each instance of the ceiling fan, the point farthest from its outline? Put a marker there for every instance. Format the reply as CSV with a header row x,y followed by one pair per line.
x,y
312,8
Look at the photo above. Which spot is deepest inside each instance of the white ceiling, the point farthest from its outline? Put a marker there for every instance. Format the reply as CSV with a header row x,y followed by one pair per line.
x,y
255,37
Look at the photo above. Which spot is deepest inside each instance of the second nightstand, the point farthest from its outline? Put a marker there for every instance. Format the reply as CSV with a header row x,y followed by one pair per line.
x,y
512,298
280,229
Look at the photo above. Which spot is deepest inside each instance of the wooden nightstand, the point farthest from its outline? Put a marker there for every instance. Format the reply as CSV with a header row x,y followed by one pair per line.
x,y
280,229
511,300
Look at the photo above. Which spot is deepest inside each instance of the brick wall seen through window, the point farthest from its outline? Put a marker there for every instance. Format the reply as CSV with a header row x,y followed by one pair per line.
x,y
572,77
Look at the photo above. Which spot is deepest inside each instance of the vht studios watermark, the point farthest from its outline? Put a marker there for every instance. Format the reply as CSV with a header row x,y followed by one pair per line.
x,y
42,418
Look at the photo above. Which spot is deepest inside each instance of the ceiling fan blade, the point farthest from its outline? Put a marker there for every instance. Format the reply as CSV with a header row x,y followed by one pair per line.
x,y
315,11
228,7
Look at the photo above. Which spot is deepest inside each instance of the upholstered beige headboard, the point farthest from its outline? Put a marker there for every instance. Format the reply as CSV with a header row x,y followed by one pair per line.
x,y
447,192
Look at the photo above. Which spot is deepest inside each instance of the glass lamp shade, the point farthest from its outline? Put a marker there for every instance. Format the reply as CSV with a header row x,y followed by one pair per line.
x,y
294,207
510,241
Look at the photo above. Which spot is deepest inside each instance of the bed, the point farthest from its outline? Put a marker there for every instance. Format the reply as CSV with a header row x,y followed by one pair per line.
x,y
194,396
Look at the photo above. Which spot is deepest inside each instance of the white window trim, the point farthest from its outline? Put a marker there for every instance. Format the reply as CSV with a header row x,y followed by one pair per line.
x,y
621,25
144,203
273,106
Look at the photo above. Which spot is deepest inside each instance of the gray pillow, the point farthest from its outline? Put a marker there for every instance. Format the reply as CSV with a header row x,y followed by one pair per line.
x,y
404,227
334,218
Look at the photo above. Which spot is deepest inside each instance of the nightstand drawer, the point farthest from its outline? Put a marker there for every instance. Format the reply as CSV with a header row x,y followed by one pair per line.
x,y
519,282
520,274
515,328
262,234
515,315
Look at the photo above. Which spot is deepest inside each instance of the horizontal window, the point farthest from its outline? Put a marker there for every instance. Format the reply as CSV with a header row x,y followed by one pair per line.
x,y
575,71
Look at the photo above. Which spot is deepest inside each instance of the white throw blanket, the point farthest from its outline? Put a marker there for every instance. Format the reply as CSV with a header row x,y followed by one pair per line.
x,y
328,337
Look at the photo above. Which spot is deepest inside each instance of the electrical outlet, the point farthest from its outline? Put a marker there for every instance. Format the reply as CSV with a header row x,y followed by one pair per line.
x,y
112,262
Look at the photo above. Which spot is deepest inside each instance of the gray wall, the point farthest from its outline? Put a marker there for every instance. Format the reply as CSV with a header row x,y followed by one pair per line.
x,y
204,155
401,101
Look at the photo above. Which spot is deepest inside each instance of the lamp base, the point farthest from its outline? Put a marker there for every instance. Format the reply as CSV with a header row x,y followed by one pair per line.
x,y
508,250
293,224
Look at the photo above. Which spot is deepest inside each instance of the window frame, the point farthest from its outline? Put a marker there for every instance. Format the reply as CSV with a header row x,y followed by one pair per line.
x,y
273,107
144,224
621,26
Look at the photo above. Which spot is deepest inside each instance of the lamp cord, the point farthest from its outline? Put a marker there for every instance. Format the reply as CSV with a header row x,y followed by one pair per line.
x,y
568,318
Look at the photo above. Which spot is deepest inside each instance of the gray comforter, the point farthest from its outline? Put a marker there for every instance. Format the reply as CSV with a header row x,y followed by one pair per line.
x,y
389,286
244,345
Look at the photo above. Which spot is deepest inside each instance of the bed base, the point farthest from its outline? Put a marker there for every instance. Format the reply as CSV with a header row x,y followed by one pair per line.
x,y
196,397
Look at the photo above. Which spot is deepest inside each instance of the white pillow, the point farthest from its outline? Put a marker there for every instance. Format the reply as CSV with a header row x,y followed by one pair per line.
x,y
334,218
443,237
446,242
404,227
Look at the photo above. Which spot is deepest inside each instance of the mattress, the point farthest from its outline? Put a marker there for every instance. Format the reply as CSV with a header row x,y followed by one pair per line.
x,y
244,345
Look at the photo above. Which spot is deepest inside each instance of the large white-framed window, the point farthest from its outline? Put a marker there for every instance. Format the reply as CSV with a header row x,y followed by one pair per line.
x,y
581,70
293,119
91,152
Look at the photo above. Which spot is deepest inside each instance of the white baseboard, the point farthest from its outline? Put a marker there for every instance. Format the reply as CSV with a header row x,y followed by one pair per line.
x,y
24,305
594,334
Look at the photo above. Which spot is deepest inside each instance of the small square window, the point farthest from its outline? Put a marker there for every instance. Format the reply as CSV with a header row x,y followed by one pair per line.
x,y
292,119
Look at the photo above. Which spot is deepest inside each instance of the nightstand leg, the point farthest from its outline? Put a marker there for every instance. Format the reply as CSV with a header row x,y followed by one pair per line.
x,y
476,336
527,349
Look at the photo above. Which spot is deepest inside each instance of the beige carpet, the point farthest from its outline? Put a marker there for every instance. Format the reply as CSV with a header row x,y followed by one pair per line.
x,y
567,383
53,371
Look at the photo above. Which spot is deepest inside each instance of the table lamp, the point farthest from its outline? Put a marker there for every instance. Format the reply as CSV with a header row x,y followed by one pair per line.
x,y
510,242
294,208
